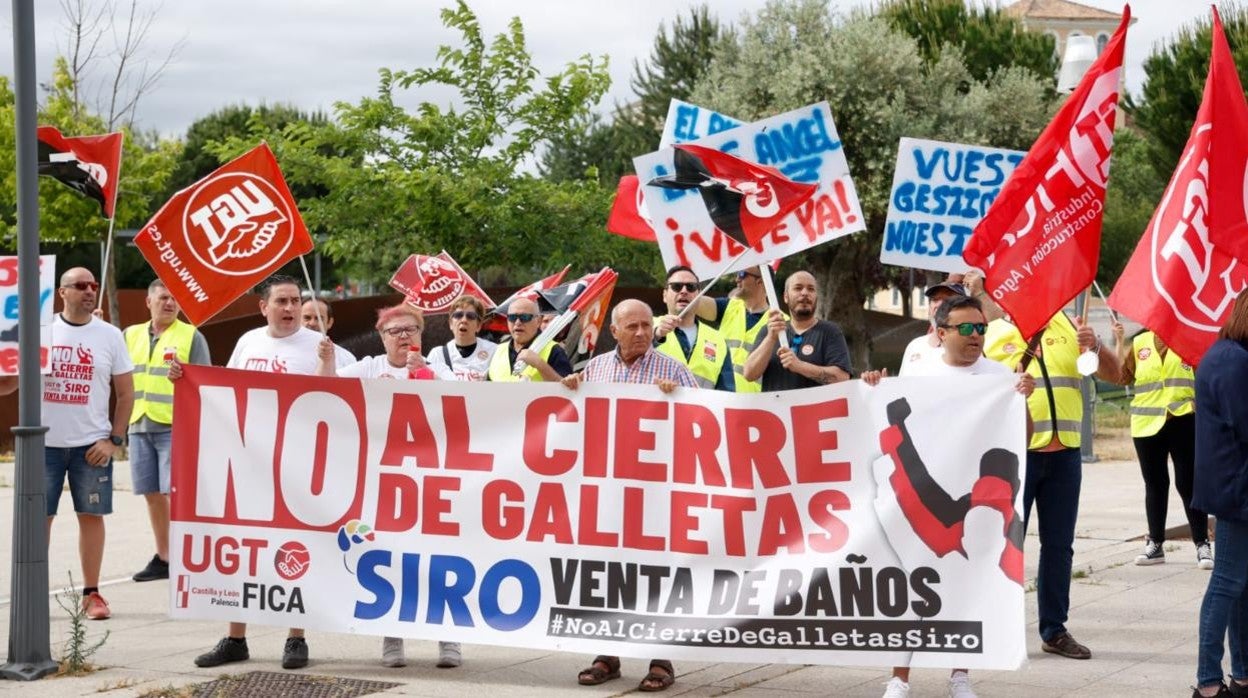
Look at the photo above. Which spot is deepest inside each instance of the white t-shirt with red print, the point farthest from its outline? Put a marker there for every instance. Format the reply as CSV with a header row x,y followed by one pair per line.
x,y
84,360
257,350
373,367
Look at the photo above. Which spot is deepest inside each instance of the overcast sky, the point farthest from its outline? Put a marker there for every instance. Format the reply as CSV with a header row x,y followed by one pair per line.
x,y
314,52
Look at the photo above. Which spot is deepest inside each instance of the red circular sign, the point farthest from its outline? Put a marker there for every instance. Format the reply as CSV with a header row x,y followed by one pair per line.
x,y
237,224
292,560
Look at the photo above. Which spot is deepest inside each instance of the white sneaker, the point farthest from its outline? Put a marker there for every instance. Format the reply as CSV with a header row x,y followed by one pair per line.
x,y
896,688
960,685
392,652
1204,556
449,656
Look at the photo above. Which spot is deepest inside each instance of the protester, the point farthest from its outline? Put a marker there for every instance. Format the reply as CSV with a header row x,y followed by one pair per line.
x,y
1221,488
920,348
308,315
634,361
741,319
697,345
88,356
152,347
282,345
1163,428
524,324
816,353
466,356
960,328
1054,463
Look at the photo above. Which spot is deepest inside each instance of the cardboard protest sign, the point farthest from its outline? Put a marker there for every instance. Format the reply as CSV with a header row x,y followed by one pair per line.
x,y
802,145
940,192
9,305
688,122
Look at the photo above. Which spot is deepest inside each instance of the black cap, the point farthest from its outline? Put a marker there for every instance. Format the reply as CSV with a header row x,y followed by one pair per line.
x,y
946,285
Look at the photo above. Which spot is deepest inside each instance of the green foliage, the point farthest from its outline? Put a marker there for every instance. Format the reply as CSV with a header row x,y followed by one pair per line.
x,y
1132,196
881,87
77,652
988,38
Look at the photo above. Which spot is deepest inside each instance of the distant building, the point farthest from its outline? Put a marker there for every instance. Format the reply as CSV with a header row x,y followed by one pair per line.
x,y
1062,19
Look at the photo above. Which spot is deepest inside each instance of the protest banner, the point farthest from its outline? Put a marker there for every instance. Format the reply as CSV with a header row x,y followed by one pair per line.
x,y
687,122
432,283
8,302
1181,281
940,191
804,146
844,524
216,239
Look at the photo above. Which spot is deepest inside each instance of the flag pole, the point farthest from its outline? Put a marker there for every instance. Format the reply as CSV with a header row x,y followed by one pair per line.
x,y
1112,315
772,299
320,320
108,246
704,289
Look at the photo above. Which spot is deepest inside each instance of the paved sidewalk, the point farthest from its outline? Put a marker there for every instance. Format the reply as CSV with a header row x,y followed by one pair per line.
x,y
1140,623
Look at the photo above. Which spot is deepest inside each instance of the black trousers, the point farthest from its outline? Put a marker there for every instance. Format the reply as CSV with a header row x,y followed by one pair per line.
x,y
1176,441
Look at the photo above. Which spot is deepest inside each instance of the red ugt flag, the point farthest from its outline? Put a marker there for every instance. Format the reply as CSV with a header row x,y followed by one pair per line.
x,y
89,165
1181,279
219,237
1040,242
432,283
628,212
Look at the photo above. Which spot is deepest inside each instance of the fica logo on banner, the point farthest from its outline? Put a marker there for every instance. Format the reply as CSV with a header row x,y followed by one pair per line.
x,y
237,223
230,557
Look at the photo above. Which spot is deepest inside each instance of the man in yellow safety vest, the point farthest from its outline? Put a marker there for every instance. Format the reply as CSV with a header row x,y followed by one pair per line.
x,y
687,339
524,322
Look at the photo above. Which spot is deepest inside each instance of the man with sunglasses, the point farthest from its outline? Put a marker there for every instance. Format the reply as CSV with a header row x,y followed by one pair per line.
x,y
816,353
467,356
88,356
524,323
690,341
927,346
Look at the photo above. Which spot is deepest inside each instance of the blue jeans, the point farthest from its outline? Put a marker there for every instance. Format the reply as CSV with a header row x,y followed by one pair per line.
x,y
1053,481
91,487
1223,612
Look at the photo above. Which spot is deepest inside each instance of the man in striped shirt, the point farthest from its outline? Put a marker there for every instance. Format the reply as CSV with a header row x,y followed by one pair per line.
x,y
634,360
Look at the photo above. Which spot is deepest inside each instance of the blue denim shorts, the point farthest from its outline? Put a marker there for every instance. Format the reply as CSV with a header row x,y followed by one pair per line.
x,y
149,461
91,487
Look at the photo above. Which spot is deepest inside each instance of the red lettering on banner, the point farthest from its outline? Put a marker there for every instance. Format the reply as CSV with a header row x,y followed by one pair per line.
x,y
782,526
9,358
224,555
836,533
695,437
817,215
8,271
683,523
459,455
436,506
635,520
409,435
587,532
808,450
597,429
499,521
550,515
631,440
755,438
393,491
733,508
537,418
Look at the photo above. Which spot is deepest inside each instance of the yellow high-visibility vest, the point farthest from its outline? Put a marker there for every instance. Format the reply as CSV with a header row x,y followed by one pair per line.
x,y
153,391
708,356
1059,347
500,365
740,340
1162,387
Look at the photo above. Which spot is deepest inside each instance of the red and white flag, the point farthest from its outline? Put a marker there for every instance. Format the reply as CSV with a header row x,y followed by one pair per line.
x,y
215,240
628,212
90,165
589,297
1182,278
497,321
432,283
1040,242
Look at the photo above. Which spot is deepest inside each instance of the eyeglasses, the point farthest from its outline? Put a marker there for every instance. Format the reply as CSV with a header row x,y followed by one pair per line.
x,y
469,315
521,317
402,331
678,286
83,286
743,274
967,328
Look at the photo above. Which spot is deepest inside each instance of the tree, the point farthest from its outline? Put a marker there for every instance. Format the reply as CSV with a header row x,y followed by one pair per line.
x,y
605,150
794,52
1130,199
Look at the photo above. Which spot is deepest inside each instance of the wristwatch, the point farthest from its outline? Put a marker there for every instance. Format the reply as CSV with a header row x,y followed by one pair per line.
x,y
117,440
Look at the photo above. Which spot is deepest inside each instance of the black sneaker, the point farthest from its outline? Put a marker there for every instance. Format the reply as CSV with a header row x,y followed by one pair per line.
x,y
295,655
1152,555
227,650
1223,692
156,569
1236,689
1065,645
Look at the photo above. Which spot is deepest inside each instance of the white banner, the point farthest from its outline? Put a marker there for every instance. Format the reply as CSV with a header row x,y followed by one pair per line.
x,y
687,123
8,306
940,192
613,519
804,146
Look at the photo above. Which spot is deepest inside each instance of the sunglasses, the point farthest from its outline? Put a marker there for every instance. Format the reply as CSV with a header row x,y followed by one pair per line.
x,y
743,274
83,286
407,331
967,328
470,315
521,317
678,286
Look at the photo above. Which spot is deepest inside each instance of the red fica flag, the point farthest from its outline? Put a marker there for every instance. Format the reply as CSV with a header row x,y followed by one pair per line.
x,y
1180,282
89,165
1040,242
219,237
628,212
497,320
432,283
590,298
745,200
